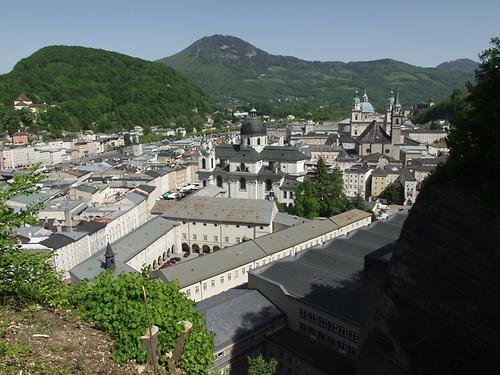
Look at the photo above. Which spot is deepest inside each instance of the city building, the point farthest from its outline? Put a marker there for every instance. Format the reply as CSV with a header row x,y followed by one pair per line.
x,y
212,274
208,225
322,291
241,320
251,169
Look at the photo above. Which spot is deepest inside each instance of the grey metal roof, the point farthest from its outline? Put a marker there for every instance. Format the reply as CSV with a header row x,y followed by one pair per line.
x,y
374,133
147,188
86,188
236,153
56,241
37,197
288,220
232,210
289,183
135,197
140,238
283,153
283,239
253,126
90,226
204,267
152,173
94,266
208,191
328,277
75,235
237,313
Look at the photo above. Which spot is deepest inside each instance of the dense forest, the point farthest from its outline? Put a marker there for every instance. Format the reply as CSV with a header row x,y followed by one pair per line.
x,y
87,88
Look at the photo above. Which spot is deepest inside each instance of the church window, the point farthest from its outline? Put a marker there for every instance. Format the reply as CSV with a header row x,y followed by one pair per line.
x,y
242,167
219,181
387,151
203,163
243,184
204,183
284,194
212,162
258,141
248,141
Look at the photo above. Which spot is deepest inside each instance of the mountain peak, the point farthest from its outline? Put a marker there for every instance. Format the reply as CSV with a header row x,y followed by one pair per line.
x,y
230,68
225,49
460,65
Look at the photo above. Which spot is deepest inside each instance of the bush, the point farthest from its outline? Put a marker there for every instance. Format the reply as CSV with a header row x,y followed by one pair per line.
x,y
116,305
27,278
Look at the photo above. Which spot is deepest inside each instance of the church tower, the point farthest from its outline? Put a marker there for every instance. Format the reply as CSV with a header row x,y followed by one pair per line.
x,y
206,162
356,108
388,113
396,120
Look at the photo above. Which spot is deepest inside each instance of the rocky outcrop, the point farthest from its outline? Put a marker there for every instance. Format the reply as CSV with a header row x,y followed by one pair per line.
x,y
438,311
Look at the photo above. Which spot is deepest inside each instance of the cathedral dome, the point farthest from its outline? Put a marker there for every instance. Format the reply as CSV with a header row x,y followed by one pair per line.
x,y
253,125
367,107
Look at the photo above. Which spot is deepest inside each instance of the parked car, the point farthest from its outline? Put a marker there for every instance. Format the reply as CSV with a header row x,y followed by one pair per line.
x,y
186,255
176,259
166,265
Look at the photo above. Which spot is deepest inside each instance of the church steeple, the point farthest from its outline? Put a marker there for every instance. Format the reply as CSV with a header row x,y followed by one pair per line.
x,y
396,120
110,258
365,97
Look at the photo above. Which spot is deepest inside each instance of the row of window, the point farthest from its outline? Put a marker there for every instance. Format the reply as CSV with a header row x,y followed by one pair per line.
x,y
329,325
215,238
332,342
216,225
288,194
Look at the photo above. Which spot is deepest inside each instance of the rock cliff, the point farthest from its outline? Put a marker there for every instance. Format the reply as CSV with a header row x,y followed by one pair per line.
x,y
438,311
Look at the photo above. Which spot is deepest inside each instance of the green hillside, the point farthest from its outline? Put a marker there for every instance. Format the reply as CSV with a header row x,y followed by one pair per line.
x,y
227,67
87,87
460,65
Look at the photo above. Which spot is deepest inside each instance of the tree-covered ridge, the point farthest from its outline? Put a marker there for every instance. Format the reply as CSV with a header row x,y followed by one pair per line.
x,y
225,66
86,87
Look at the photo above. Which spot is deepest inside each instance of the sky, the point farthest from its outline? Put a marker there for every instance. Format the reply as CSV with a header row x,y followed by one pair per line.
x,y
422,32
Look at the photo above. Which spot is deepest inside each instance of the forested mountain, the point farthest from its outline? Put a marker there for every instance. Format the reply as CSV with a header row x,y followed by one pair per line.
x,y
86,87
460,65
228,67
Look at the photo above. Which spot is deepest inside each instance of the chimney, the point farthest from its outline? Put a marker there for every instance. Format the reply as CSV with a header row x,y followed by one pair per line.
x,y
110,258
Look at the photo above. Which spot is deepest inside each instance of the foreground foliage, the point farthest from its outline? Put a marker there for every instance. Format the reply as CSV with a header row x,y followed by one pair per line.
x,y
115,305
259,366
474,138
25,277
